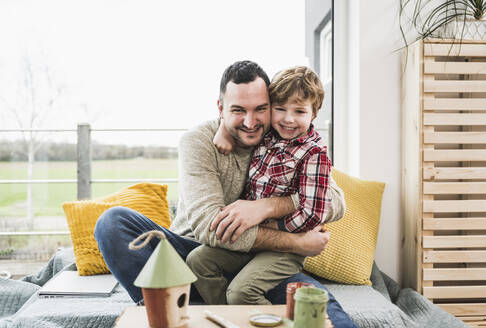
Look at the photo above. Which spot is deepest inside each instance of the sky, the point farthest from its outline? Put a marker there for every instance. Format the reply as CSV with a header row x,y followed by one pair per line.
x,y
139,63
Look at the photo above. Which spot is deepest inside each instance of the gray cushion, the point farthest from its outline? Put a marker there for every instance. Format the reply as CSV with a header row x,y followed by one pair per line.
x,y
369,308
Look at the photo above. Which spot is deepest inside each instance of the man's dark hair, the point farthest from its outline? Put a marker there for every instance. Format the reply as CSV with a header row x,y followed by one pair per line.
x,y
244,71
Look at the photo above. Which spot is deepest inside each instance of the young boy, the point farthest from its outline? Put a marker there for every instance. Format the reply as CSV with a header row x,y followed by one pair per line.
x,y
291,159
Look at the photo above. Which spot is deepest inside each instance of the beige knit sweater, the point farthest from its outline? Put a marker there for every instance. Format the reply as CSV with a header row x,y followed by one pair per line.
x,y
209,180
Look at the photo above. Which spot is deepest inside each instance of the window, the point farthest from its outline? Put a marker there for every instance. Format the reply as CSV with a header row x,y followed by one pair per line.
x,y
326,61
319,30
138,85
326,54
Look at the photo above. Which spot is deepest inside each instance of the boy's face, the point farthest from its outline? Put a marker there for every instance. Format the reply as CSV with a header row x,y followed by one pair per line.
x,y
292,119
246,111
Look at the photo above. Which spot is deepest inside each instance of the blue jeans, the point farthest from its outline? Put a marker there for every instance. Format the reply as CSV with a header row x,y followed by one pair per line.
x,y
118,226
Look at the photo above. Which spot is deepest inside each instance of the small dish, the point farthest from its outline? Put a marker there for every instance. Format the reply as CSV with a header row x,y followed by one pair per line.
x,y
265,320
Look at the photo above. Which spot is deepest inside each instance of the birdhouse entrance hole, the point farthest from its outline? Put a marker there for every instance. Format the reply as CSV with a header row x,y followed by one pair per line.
x,y
182,300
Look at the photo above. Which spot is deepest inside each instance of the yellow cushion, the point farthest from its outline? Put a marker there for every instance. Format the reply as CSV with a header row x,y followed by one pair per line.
x,y
348,257
148,199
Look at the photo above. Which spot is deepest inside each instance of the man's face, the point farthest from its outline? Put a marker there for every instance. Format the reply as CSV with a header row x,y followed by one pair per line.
x,y
246,111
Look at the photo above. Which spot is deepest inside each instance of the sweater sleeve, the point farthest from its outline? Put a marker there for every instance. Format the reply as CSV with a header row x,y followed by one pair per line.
x,y
200,186
335,198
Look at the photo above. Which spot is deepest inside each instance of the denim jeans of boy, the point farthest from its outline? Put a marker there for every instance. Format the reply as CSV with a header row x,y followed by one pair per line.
x,y
118,226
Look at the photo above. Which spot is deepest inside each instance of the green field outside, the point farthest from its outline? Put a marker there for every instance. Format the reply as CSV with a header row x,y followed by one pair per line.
x,y
47,198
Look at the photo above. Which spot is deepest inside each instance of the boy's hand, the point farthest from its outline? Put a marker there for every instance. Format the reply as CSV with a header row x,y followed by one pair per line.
x,y
313,242
223,141
236,218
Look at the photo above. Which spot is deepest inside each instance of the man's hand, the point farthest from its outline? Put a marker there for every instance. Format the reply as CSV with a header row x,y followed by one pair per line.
x,y
237,217
313,242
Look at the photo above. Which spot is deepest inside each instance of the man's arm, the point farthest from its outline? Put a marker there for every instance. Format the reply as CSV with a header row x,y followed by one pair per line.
x,y
201,191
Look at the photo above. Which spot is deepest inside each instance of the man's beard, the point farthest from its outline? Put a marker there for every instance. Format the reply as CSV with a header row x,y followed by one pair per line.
x,y
240,139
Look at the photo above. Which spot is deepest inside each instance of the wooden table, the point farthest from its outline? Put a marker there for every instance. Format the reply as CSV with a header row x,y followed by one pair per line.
x,y
136,316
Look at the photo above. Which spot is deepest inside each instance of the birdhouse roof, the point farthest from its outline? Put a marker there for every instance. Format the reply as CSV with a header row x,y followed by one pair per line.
x,y
164,268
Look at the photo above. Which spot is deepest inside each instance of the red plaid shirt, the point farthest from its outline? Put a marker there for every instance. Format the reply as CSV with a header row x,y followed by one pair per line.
x,y
282,167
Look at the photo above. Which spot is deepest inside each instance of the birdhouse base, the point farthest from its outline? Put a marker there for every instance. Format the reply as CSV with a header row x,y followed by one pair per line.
x,y
167,307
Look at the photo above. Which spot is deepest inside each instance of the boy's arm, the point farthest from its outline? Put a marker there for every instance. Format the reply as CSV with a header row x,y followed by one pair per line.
x,y
314,180
223,141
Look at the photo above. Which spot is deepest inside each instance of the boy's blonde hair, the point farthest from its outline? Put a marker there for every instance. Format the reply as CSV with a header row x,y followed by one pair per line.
x,y
299,81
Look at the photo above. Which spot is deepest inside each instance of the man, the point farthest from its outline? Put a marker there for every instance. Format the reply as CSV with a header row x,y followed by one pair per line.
x,y
210,182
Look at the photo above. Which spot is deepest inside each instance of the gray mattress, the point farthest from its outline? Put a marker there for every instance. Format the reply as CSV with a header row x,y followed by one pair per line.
x,y
383,305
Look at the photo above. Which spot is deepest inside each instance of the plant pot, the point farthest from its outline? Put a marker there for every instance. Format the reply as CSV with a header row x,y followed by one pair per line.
x,y
470,29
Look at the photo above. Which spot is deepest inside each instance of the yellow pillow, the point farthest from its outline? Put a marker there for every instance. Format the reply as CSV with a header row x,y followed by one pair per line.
x,y
348,257
148,199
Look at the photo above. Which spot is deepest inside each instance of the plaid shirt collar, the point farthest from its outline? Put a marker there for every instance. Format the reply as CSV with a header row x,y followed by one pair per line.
x,y
272,139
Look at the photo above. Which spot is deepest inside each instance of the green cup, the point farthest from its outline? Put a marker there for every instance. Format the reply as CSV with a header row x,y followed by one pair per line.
x,y
310,308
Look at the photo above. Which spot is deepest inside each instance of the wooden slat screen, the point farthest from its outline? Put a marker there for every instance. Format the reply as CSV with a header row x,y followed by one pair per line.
x,y
453,183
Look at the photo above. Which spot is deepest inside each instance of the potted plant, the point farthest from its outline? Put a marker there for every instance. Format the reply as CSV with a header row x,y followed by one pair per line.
x,y
448,19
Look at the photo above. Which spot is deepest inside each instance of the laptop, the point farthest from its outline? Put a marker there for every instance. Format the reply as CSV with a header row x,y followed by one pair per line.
x,y
71,284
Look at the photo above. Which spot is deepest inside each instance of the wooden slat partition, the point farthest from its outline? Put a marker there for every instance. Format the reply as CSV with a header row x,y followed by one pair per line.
x,y
463,309
454,241
454,206
455,224
481,319
443,188
474,323
469,256
454,50
455,119
454,86
454,68
448,155
455,137
473,104
427,164
453,292
444,175
463,274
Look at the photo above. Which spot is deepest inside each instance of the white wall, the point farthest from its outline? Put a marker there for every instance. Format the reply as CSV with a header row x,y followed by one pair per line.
x,y
367,109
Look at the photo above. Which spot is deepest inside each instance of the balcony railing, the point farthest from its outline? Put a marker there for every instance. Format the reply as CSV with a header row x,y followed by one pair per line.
x,y
84,180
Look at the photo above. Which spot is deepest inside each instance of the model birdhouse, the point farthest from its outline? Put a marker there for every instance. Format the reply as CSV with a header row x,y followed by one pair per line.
x,y
166,282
